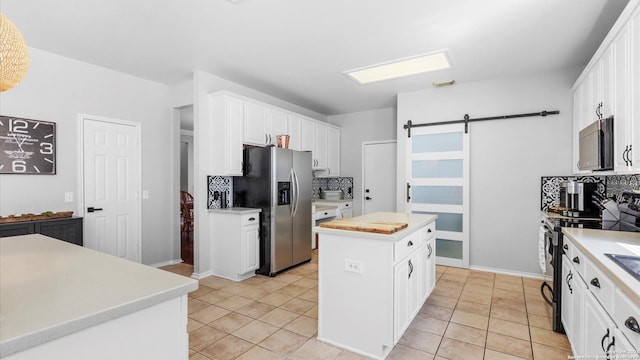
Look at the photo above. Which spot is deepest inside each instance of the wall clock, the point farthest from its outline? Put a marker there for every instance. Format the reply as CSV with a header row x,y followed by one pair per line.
x,y
27,146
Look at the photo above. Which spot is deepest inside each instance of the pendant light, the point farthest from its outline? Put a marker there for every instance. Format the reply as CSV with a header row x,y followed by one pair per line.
x,y
14,56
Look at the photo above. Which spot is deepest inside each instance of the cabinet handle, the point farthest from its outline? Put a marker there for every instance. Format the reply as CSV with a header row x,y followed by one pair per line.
x,y
595,282
576,260
632,324
599,111
568,278
252,219
346,205
430,250
629,155
410,243
613,342
603,338
565,246
410,269
429,230
624,155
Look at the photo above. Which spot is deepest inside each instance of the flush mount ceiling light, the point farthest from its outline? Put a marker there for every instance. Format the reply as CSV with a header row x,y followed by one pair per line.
x,y
14,57
400,68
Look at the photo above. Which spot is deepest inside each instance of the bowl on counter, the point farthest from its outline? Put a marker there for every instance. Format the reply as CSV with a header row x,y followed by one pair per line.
x,y
330,194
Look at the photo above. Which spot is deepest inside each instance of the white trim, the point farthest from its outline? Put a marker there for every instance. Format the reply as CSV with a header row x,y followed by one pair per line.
x,y
166,263
511,272
365,143
201,275
138,126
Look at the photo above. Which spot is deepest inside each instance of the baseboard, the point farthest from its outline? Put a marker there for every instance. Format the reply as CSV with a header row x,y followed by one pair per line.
x,y
166,263
202,275
511,272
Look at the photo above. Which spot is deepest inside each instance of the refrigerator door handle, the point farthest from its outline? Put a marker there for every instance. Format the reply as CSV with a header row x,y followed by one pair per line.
x,y
296,192
294,198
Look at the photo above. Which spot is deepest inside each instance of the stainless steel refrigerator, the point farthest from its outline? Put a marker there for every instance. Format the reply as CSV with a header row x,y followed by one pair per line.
x,y
278,181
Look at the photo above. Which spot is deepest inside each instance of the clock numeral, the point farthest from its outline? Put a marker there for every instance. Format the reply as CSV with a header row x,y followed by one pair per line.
x,y
19,166
18,126
46,148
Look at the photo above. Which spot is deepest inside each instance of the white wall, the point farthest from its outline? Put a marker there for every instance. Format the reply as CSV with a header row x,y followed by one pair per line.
x,y
372,125
508,157
58,89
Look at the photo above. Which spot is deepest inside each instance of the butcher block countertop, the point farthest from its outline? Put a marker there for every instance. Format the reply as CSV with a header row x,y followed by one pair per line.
x,y
382,225
50,289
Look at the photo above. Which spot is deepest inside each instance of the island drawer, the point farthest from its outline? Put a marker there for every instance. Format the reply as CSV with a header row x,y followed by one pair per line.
x,y
405,246
428,232
600,285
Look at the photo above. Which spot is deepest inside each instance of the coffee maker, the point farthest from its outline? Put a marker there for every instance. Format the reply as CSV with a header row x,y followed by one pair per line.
x,y
576,199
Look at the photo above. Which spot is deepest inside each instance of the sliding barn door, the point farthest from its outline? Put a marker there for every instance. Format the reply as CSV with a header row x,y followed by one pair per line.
x,y
438,174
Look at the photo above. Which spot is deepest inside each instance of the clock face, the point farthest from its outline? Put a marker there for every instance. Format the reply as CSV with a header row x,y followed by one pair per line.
x,y
27,146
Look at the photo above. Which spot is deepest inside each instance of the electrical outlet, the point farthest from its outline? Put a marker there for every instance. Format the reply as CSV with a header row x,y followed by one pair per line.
x,y
353,266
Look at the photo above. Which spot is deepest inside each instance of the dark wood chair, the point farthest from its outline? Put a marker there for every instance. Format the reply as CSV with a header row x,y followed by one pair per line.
x,y
186,212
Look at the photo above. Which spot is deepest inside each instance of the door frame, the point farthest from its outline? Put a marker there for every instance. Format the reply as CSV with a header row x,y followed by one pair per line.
x,y
138,190
379,142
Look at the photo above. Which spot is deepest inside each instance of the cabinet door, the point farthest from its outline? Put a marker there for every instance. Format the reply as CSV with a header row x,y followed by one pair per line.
x,y
278,124
566,309
400,299
577,313
431,265
333,151
578,121
634,123
295,140
14,229
346,213
255,120
233,131
320,137
605,83
250,248
598,329
306,135
622,103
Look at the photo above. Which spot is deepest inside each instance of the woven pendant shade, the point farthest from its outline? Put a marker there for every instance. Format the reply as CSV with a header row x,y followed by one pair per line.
x,y
14,57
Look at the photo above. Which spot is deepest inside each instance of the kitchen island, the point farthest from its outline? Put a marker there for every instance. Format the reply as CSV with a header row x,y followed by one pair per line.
x,y
62,301
371,285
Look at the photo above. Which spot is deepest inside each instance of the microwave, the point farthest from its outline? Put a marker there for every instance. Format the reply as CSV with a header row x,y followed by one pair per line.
x,y
595,146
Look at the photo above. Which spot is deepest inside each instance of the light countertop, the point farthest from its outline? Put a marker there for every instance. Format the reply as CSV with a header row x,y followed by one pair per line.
x,y
414,221
332,201
325,207
50,288
235,210
595,243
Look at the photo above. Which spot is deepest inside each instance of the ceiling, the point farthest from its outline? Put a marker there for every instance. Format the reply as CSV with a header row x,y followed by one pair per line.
x,y
296,50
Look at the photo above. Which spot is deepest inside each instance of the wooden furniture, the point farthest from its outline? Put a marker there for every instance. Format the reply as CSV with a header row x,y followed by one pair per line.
x,y
186,212
372,285
65,229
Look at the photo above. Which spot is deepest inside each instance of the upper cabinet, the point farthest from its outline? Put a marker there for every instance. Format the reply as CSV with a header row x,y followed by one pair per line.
x,y
610,86
237,120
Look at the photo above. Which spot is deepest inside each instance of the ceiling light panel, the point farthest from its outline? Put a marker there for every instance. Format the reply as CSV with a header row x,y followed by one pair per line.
x,y
401,68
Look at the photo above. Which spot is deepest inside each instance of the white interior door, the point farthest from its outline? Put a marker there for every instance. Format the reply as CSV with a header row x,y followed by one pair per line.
x,y
111,178
379,176
438,172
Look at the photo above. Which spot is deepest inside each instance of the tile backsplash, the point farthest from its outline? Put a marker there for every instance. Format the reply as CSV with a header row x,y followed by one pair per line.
x,y
333,183
608,185
225,184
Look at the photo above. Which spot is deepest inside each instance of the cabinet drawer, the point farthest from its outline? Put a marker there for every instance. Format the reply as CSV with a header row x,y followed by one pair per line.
x,y
429,231
567,248
405,246
250,219
579,261
600,285
627,317
325,214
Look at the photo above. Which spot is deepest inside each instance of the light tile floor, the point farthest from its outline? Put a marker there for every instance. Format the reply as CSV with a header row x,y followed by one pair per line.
x,y
470,315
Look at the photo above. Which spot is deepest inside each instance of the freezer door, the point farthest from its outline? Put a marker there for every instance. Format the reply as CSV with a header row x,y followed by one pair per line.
x,y
282,231
302,219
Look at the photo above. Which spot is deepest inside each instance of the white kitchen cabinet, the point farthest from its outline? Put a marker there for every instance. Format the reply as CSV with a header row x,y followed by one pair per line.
x,y
406,293
235,242
277,124
320,146
568,298
301,131
610,85
255,124
627,316
599,330
226,131
428,282
333,151
345,207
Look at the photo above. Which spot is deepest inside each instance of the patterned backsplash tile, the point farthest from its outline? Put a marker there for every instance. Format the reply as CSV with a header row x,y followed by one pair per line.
x,y
609,185
333,183
219,184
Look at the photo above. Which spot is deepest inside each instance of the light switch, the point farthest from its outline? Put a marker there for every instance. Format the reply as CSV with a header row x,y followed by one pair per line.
x,y
68,197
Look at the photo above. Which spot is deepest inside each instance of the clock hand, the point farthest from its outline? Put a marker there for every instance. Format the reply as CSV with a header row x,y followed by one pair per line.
x,y
19,143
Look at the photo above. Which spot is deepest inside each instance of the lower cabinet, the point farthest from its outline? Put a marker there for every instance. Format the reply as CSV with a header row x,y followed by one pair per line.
x,y
406,294
65,229
599,330
235,243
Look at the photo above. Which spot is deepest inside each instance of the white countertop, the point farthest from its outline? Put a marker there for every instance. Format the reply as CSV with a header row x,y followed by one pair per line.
x,y
50,288
414,221
595,243
235,210
332,201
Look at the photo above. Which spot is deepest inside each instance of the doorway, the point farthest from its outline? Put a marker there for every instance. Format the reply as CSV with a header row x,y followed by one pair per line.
x,y
379,176
111,186
186,184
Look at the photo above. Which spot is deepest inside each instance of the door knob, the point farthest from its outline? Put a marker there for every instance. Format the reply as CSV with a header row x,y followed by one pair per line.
x,y
92,209
368,198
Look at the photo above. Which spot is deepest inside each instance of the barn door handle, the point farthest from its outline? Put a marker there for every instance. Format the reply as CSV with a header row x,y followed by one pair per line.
x,y
408,192
92,209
